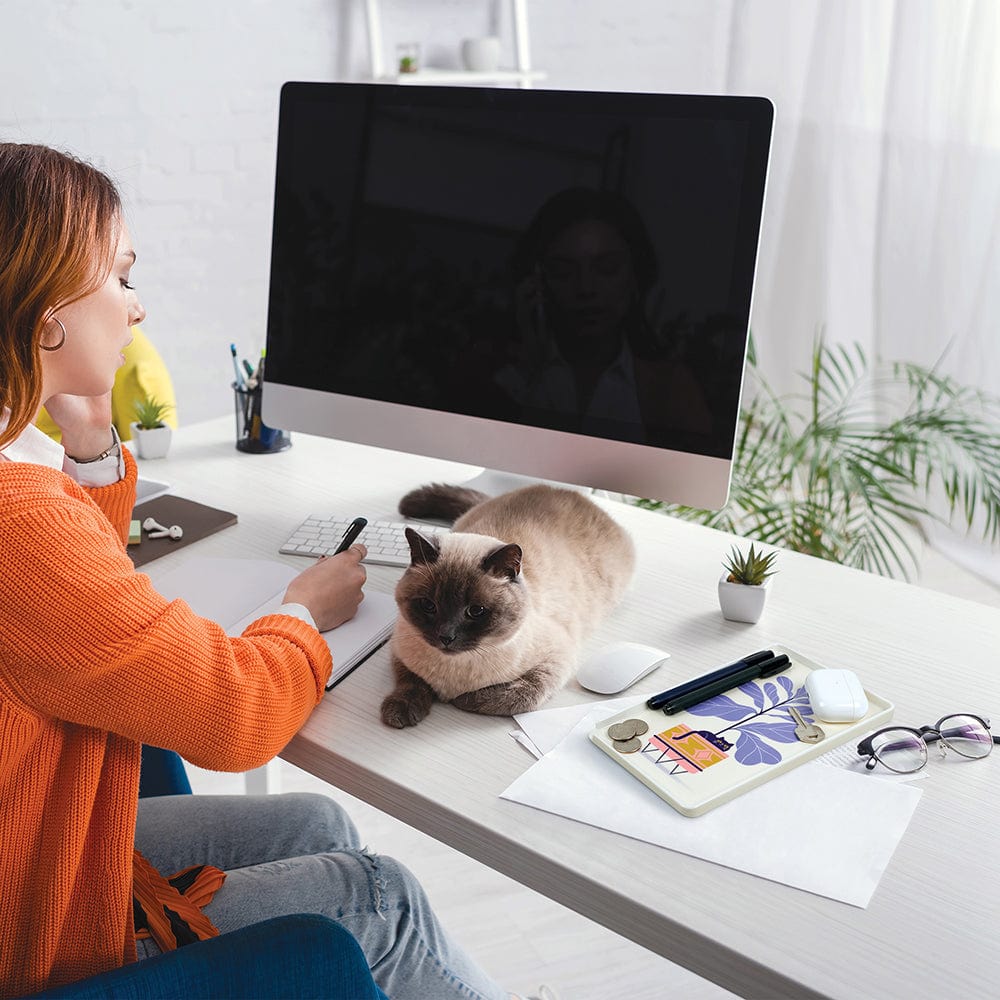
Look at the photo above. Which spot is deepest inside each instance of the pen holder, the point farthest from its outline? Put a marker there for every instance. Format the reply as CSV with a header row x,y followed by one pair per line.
x,y
252,434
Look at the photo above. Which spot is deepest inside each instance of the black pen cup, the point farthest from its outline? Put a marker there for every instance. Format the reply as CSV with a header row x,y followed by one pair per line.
x,y
252,434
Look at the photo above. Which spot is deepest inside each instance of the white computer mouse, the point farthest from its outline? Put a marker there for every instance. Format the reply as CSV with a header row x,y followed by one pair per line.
x,y
618,666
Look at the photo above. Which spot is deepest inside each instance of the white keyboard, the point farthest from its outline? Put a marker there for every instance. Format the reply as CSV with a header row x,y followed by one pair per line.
x,y
385,540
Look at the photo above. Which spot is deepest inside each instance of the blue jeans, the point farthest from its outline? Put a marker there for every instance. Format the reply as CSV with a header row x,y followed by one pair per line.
x,y
300,853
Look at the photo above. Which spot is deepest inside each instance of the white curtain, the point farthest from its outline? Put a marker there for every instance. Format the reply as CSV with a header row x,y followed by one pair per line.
x,y
882,222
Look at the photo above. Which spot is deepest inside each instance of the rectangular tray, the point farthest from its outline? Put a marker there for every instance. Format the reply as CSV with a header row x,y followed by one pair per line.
x,y
739,740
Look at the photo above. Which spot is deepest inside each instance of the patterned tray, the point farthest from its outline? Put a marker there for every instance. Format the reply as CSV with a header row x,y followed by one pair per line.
x,y
699,758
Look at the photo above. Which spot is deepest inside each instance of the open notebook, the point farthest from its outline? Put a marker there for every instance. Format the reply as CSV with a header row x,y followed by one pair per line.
x,y
235,592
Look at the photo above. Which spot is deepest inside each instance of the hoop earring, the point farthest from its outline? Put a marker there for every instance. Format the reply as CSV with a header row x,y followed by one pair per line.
x,y
62,341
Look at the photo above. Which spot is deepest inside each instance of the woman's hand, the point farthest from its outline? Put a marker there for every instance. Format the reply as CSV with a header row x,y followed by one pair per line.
x,y
331,588
85,423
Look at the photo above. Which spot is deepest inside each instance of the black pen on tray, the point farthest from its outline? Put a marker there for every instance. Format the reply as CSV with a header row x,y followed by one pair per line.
x,y
752,672
353,530
661,699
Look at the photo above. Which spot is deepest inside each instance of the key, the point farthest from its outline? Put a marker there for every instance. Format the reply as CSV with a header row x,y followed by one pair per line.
x,y
806,732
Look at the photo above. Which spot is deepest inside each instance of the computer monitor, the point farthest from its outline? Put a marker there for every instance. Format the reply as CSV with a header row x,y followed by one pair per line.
x,y
554,284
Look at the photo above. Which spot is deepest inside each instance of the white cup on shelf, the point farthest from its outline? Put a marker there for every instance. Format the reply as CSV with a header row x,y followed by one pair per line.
x,y
481,55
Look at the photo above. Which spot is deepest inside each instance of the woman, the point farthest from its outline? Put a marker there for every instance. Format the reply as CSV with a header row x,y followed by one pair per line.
x,y
93,662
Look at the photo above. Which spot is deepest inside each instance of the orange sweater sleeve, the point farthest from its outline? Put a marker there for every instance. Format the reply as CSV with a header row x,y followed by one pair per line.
x,y
117,500
87,639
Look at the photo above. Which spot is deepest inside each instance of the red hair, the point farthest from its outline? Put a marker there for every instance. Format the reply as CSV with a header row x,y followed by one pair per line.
x,y
59,225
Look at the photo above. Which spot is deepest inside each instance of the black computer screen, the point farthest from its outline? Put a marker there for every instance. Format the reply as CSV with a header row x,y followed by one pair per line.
x,y
575,261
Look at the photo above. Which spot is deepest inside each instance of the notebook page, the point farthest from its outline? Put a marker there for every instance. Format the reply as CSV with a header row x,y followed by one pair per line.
x,y
236,592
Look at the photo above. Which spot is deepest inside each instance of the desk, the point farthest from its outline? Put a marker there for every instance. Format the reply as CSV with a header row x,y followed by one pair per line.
x,y
931,928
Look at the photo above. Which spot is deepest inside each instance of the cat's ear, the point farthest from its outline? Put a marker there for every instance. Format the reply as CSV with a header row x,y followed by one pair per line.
x,y
504,561
422,550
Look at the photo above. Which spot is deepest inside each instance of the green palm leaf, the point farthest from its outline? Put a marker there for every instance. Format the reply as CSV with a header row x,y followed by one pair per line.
x,y
849,469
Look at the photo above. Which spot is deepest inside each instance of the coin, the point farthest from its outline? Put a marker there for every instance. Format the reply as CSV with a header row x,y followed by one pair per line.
x,y
640,727
628,746
623,730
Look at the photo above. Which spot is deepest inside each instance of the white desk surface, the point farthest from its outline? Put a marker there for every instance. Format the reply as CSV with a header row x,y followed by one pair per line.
x,y
931,928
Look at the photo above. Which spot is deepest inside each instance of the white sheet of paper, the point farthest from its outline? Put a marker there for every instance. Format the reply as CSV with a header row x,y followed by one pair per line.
x,y
222,589
801,840
548,727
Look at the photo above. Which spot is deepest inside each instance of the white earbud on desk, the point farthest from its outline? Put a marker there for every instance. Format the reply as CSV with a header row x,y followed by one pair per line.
x,y
151,524
174,531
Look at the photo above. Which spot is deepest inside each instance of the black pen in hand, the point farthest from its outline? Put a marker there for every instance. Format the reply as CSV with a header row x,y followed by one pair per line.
x,y
353,530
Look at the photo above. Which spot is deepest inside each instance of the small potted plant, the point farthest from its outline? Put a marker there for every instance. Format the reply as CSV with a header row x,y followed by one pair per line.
x,y
743,585
151,434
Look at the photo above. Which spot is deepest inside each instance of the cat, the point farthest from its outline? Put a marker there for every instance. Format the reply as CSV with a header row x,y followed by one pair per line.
x,y
492,614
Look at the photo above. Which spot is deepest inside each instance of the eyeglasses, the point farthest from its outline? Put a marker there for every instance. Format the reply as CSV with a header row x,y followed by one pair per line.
x,y
904,750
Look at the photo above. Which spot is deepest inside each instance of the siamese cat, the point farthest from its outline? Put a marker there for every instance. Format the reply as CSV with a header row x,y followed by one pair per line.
x,y
491,616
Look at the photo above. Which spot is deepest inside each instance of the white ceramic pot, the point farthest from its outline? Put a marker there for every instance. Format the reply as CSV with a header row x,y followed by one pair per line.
x,y
740,602
481,55
151,442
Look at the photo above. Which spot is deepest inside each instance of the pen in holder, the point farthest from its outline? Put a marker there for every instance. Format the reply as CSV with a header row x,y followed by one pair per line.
x,y
252,434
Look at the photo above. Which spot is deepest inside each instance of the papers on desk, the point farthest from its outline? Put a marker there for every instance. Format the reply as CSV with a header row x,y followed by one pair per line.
x,y
819,828
236,592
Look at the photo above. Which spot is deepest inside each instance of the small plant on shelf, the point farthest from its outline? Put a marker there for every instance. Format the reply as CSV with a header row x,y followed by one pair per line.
x,y
751,569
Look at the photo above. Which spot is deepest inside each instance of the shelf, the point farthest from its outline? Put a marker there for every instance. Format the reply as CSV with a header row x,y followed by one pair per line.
x,y
461,76
523,75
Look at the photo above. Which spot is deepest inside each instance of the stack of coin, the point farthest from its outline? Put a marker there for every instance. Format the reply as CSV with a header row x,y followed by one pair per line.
x,y
625,735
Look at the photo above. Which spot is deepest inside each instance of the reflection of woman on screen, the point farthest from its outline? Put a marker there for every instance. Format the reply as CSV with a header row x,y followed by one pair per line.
x,y
588,357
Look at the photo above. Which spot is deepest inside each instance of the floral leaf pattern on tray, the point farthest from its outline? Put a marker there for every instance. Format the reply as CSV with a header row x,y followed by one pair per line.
x,y
752,750
779,731
722,707
753,728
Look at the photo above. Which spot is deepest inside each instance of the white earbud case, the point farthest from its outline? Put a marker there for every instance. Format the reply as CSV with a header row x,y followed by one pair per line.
x,y
836,695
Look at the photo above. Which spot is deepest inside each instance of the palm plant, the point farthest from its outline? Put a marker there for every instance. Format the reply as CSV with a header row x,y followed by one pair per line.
x,y
851,469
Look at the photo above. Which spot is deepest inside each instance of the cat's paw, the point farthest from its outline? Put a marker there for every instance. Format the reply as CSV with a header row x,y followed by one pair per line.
x,y
521,695
400,712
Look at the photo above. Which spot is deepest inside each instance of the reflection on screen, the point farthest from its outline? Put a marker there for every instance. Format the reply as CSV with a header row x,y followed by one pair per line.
x,y
572,269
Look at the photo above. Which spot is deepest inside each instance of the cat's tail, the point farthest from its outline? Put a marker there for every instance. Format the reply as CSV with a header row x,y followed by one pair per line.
x,y
440,501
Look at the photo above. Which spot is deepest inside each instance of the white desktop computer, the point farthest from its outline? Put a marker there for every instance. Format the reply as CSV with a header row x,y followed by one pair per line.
x,y
553,284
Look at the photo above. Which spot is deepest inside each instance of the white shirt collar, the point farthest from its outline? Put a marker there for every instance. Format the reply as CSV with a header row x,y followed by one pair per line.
x,y
33,445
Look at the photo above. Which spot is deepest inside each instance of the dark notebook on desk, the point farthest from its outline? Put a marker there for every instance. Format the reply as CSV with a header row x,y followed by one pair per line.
x,y
198,520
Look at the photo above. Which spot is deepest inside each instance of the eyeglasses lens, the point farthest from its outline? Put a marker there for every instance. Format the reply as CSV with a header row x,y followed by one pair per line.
x,y
900,751
966,735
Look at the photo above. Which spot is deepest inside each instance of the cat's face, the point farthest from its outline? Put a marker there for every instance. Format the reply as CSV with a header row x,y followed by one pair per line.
x,y
459,600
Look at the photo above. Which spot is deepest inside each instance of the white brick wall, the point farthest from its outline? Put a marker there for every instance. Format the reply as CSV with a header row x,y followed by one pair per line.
x,y
178,102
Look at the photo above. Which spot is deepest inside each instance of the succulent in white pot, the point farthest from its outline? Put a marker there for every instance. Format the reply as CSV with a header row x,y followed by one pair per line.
x,y
151,434
744,583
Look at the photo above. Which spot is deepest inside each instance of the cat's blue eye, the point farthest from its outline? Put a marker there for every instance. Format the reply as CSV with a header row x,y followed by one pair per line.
x,y
426,605
475,611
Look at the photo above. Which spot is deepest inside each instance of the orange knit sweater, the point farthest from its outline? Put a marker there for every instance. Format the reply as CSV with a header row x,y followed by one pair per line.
x,y
93,663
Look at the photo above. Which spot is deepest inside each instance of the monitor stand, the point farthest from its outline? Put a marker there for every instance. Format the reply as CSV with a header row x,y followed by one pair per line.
x,y
493,482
